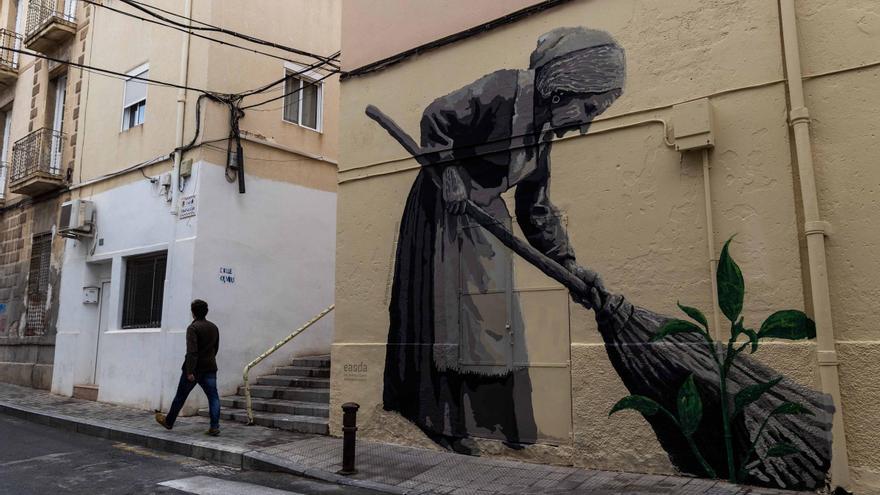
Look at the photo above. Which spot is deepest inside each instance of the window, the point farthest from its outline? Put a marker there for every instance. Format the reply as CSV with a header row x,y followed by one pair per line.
x,y
38,284
144,290
302,105
135,104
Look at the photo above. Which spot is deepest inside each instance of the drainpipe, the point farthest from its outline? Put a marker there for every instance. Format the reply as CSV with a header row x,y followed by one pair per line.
x,y
181,114
710,240
815,230
175,171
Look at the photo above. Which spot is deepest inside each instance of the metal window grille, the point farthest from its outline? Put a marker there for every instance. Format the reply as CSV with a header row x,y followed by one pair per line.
x,y
144,291
38,152
38,284
42,12
9,58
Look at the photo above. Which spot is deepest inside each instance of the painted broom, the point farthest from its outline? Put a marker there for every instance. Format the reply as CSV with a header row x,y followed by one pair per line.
x,y
771,431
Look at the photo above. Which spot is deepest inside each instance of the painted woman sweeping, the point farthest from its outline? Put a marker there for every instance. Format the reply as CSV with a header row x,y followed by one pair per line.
x,y
456,368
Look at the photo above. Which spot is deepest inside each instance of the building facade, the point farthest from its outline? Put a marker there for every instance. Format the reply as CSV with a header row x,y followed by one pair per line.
x,y
40,110
158,211
712,153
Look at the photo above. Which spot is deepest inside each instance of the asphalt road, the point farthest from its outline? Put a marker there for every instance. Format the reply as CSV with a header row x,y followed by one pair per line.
x,y
40,460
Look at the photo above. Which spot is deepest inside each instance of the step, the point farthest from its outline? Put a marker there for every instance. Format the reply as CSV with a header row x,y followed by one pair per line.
x,y
289,393
303,371
312,361
297,408
85,391
293,381
289,422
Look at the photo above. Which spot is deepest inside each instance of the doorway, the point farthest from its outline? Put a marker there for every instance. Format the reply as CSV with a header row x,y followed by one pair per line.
x,y
103,325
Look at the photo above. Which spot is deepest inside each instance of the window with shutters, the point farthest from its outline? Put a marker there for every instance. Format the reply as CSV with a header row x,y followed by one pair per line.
x,y
134,106
38,284
144,290
303,100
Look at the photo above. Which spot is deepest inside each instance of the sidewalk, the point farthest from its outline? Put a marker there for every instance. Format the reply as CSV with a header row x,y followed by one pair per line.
x,y
382,467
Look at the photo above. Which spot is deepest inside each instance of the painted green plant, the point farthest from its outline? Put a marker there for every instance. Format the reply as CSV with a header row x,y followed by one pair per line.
x,y
787,324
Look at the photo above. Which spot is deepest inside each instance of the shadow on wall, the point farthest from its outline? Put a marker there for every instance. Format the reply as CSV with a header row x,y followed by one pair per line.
x,y
453,364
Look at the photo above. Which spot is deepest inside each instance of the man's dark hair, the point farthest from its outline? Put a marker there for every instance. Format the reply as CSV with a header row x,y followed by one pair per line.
x,y
199,309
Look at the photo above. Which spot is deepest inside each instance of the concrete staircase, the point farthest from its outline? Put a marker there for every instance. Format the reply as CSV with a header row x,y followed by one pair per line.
x,y
295,398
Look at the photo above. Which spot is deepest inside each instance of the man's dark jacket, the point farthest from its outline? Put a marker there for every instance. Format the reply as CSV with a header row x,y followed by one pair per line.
x,y
202,342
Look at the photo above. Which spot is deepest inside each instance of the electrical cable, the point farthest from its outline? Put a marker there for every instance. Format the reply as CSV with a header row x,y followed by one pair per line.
x,y
285,95
189,31
146,8
107,72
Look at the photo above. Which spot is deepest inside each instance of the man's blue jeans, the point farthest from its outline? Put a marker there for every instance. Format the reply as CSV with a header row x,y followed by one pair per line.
x,y
208,382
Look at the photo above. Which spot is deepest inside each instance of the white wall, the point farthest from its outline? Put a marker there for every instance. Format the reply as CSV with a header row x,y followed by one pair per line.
x,y
279,240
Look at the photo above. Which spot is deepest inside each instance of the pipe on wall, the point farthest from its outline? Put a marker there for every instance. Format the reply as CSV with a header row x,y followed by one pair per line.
x,y
175,176
181,112
710,240
816,230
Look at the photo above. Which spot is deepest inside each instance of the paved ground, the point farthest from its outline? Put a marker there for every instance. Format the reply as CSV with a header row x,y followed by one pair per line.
x,y
393,469
49,460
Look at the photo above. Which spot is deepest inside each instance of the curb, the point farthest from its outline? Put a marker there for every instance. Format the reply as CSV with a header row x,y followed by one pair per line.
x,y
208,451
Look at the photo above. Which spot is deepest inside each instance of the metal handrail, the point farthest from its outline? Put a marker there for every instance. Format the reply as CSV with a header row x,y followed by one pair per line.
x,y
9,42
269,351
38,152
41,12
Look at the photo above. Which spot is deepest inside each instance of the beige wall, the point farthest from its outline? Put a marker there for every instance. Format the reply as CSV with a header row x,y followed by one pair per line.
x,y
106,148
634,207
405,25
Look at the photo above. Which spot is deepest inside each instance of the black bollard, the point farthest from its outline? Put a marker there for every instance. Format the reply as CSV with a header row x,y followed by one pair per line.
x,y
349,437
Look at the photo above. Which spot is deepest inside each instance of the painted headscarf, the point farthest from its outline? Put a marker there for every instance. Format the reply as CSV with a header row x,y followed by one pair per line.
x,y
578,60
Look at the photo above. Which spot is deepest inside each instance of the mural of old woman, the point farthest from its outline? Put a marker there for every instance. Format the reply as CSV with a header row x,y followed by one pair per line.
x,y
454,365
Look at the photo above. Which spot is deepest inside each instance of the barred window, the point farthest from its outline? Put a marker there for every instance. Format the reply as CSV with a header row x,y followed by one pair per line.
x,y
144,290
38,284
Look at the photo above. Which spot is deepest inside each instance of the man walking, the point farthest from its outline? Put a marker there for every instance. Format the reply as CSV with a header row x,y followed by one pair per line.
x,y
200,366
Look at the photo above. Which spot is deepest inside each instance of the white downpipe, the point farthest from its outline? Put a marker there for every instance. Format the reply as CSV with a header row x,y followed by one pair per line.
x,y
170,281
815,230
181,114
710,240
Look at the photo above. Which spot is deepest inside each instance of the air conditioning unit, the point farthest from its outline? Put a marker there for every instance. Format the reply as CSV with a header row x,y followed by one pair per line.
x,y
77,219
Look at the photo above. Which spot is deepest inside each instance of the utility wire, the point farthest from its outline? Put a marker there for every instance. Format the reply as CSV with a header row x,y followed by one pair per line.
x,y
197,35
208,27
108,72
285,95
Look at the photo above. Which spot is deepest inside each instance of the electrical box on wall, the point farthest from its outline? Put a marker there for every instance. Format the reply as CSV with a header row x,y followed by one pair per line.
x,y
693,125
186,167
90,295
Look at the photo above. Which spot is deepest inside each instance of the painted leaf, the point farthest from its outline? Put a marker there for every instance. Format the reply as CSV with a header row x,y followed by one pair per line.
x,y
752,393
672,327
782,449
731,286
791,408
690,407
790,324
696,314
753,338
639,403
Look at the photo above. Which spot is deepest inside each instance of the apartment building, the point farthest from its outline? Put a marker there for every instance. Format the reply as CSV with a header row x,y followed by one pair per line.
x,y
154,202
40,109
672,126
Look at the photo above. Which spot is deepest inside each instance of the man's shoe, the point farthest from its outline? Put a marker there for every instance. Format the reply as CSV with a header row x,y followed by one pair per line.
x,y
160,418
213,432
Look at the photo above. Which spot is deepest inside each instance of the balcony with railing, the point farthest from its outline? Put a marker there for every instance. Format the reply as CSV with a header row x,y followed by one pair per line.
x,y
49,24
9,41
36,163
